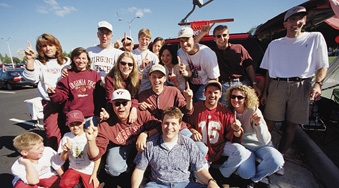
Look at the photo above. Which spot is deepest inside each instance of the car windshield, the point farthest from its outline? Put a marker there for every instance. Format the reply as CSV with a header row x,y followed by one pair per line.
x,y
15,73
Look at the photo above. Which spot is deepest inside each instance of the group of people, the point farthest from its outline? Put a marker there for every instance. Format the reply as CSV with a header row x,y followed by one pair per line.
x,y
173,111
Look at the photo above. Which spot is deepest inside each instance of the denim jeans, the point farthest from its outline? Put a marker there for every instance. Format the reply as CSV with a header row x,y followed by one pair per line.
x,y
185,184
227,85
199,94
202,147
116,162
271,158
237,154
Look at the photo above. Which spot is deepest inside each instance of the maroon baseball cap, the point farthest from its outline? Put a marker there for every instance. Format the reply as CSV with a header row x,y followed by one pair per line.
x,y
74,116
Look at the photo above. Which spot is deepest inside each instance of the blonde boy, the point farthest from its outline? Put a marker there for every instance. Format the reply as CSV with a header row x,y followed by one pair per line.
x,y
73,146
33,169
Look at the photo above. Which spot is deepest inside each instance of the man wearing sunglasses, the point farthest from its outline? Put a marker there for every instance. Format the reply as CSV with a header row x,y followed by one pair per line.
x,y
120,138
214,124
288,86
235,63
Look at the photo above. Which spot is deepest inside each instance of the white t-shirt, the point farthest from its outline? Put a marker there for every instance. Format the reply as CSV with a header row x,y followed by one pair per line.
x,y
203,64
49,73
47,164
103,60
296,57
78,158
138,57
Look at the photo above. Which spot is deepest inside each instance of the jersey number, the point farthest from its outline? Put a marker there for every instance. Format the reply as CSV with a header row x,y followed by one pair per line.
x,y
213,131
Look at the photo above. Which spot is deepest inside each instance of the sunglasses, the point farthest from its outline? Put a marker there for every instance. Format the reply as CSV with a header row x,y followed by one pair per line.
x,y
118,103
124,63
237,96
219,36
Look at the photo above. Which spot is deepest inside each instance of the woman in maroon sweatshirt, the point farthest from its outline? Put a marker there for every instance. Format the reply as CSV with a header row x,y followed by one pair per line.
x,y
78,89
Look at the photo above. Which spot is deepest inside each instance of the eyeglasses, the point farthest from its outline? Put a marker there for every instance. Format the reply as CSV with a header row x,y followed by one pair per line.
x,y
219,36
237,96
118,103
124,63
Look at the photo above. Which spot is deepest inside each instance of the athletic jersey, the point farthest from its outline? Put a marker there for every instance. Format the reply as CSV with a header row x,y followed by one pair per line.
x,y
103,60
214,126
78,158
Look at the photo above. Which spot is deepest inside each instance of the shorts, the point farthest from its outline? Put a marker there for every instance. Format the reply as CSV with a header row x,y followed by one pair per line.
x,y
288,101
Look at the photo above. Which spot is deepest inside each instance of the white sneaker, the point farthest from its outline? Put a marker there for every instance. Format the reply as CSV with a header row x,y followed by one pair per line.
x,y
280,171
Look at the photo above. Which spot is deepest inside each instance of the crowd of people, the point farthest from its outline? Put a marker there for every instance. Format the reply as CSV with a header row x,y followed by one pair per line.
x,y
170,112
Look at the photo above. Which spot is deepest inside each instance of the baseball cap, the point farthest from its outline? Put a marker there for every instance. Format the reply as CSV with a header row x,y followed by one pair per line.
x,y
104,24
128,37
158,67
186,32
74,116
213,83
294,10
121,94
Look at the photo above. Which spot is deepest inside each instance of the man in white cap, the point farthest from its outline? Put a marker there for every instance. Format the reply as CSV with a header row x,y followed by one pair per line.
x,y
104,55
199,62
120,138
291,62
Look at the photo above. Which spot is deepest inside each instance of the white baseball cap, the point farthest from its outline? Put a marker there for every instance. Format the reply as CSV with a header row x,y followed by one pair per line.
x,y
185,32
159,68
104,24
294,10
121,94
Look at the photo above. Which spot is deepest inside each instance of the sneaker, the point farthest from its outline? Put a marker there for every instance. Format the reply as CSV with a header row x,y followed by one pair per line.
x,y
280,171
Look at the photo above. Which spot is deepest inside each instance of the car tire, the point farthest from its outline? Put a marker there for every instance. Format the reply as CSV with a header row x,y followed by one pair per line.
x,y
9,87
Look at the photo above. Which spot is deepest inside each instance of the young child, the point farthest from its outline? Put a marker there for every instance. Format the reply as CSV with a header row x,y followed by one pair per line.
x,y
33,169
73,146
79,90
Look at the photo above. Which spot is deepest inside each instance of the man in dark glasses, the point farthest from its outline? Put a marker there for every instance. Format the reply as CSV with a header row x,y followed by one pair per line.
x,y
214,124
120,138
235,63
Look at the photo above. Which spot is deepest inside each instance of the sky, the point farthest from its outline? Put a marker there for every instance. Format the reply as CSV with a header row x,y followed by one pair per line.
x,y
74,22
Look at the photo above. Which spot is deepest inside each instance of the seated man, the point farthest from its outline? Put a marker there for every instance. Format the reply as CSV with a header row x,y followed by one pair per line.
x,y
214,124
171,156
121,136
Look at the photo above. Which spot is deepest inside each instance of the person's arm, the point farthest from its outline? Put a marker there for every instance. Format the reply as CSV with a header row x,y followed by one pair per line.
x,y
137,177
205,177
91,135
264,94
251,75
94,177
204,30
65,148
30,55
32,175
60,171
142,138
316,89
188,94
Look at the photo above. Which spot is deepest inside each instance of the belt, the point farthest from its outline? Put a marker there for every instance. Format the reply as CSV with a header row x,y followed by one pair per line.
x,y
233,80
291,79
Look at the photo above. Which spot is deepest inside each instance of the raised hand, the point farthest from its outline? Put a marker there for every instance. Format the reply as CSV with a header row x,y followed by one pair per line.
x,y
117,43
188,93
91,131
206,28
256,116
30,54
67,146
172,77
236,125
104,115
144,62
181,68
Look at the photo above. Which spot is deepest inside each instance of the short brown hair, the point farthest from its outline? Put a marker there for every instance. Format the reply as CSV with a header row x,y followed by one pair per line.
x,y
75,53
26,141
173,112
146,32
219,28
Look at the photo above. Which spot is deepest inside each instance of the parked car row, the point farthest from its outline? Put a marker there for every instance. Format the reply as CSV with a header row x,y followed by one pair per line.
x,y
10,78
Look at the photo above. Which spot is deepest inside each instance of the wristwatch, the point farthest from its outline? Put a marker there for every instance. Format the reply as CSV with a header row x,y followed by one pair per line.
x,y
320,83
211,180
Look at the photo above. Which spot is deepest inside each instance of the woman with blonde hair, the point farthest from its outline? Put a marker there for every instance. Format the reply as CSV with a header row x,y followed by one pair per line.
x,y
45,70
124,75
256,138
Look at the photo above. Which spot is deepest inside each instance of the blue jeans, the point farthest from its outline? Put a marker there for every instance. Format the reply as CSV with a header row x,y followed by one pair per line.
x,y
237,154
271,158
186,184
202,147
199,94
227,85
116,162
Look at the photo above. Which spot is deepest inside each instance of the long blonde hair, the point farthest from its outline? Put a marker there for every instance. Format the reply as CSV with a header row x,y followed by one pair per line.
x,y
116,75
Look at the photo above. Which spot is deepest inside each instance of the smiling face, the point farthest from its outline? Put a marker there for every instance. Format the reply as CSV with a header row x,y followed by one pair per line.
x,y
156,47
170,128
105,36
81,61
157,79
237,103
122,108
126,66
49,50
77,128
221,38
187,45
143,42
212,94
294,24
166,57
35,153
